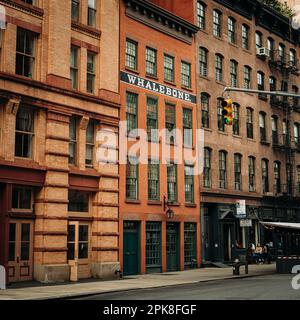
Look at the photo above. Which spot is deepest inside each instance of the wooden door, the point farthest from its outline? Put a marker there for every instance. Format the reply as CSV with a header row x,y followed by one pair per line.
x,y
20,250
79,250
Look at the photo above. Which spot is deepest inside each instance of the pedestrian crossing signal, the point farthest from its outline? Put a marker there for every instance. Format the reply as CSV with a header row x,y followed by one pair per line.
x,y
227,111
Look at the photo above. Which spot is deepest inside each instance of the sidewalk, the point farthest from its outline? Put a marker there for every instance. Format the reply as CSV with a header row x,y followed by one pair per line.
x,y
69,290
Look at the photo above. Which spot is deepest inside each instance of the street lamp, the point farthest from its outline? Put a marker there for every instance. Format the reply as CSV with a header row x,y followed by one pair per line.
x,y
169,212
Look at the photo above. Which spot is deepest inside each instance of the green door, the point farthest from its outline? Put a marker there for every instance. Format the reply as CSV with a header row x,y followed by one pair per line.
x,y
172,247
131,248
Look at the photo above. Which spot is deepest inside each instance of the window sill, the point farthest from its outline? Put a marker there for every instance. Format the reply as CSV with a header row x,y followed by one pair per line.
x,y
132,70
222,83
170,83
204,31
218,38
151,76
132,201
207,129
186,88
251,139
223,133
265,143
173,204
190,205
129,136
154,203
188,147
204,77
86,28
233,44
247,50
153,141
237,136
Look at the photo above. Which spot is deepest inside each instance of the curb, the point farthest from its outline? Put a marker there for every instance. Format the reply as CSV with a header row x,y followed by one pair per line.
x,y
90,294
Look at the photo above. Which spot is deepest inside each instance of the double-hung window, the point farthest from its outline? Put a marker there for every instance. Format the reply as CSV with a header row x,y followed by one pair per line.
x,y
73,140
277,178
90,144
152,120
187,127
92,12
207,168
265,175
203,62
233,73
168,68
247,77
75,10
131,111
222,169
205,110
186,74
217,16
245,37
74,67
238,172
132,179
189,184
131,54
201,15
249,122
170,123
153,180
151,67
25,55
231,30
90,76
172,182
219,67
24,133
236,119
251,173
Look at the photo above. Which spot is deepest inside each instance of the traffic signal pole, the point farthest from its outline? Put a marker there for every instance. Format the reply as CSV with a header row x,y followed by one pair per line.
x,y
271,93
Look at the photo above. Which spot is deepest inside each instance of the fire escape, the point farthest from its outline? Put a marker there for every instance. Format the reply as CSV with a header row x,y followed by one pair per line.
x,y
285,142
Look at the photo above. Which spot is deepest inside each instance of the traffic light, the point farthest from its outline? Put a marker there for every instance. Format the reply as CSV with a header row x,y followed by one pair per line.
x,y
227,111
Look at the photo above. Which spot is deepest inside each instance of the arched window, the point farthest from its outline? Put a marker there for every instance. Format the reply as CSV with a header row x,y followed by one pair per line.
x,y
207,168
251,173
258,39
265,175
203,61
231,30
217,23
245,36
271,47
223,169
238,171
281,52
277,177
219,67
201,15
233,73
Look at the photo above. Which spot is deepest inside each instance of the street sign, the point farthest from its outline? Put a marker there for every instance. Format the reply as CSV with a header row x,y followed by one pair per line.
x,y
241,209
246,223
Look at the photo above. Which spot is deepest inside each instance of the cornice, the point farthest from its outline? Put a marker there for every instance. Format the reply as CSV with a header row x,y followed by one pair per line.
x,y
25,7
158,18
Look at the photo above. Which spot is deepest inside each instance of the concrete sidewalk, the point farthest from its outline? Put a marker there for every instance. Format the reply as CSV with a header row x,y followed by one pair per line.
x,y
85,288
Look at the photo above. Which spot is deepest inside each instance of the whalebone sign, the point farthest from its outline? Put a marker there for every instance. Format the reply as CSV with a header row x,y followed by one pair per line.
x,y
156,87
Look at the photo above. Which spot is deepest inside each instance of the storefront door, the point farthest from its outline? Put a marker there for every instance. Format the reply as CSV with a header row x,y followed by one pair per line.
x,y
131,248
79,250
172,247
20,263
228,241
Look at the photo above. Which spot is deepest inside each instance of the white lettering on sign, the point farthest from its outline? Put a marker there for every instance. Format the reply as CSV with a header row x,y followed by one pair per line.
x,y
156,87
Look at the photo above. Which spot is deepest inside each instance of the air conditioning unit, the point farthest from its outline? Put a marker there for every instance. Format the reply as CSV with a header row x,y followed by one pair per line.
x,y
269,194
262,52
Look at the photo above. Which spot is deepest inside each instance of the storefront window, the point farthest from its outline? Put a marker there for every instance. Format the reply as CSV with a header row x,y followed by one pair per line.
x,y
78,201
153,245
190,245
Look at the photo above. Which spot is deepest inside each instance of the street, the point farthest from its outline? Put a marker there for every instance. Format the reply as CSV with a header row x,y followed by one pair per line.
x,y
270,287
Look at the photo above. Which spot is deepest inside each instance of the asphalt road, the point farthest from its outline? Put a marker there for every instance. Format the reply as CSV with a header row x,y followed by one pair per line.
x,y
271,287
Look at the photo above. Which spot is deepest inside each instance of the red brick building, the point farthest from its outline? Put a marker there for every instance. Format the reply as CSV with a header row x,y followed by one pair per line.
x,y
158,88
249,45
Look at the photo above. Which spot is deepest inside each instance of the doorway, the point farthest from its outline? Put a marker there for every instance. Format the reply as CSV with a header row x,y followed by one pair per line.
x,y
79,250
131,248
172,246
20,262
228,241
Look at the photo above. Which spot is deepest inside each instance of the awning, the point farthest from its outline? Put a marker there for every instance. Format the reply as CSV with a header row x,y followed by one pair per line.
x,y
288,225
